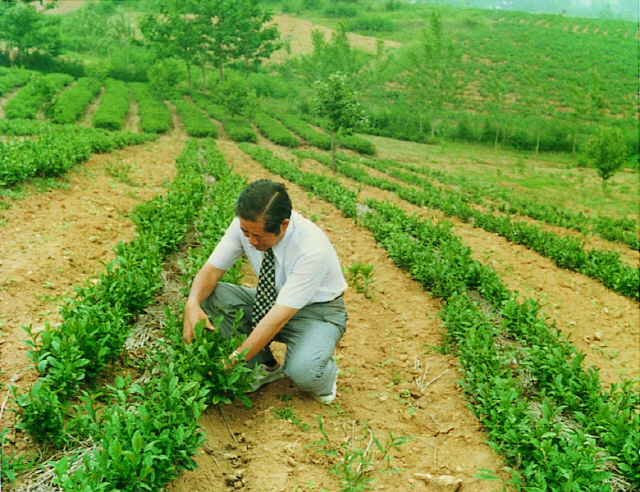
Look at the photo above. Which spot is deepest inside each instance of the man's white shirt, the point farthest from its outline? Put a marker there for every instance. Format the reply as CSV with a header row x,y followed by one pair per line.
x,y
307,266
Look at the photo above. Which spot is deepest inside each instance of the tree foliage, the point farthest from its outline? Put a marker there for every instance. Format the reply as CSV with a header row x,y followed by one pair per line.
x,y
335,100
430,69
607,152
220,32
23,28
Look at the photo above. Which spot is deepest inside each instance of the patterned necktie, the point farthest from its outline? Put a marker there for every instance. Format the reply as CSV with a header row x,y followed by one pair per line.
x,y
266,290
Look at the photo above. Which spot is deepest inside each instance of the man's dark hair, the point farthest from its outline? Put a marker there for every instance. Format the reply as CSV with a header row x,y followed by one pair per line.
x,y
264,198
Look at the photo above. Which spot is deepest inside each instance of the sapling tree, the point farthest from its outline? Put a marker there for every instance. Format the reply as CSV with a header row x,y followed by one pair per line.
x,y
429,77
335,100
607,153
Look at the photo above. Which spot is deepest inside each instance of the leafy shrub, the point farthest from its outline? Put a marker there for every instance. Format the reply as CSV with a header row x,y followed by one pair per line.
x,y
114,106
57,150
303,130
357,144
12,78
371,23
274,130
240,130
213,109
155,117
196,123
35,94
73,102
338,10
165,75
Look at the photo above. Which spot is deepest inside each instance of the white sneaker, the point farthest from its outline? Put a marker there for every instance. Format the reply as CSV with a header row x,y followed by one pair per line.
x,y
327,399
264,375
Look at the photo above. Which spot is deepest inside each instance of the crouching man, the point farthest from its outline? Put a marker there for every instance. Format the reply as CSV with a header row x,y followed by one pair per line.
x,y
298,300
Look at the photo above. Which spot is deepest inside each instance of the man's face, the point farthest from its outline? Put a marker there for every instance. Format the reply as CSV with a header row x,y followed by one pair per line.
x,y
258,238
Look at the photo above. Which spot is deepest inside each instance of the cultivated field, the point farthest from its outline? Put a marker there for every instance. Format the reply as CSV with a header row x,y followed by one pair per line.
x,y
402,375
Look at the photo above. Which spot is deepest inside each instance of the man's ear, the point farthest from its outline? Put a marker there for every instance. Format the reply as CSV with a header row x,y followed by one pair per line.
x,y
284,225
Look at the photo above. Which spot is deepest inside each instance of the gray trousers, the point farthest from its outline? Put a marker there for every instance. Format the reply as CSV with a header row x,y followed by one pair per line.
x,y
310,335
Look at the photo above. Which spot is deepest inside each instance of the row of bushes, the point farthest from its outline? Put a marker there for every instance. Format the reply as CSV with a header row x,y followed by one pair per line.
x,y
302,129
72,103
57,150
196,123
12,78
40,90
351,142
236,126
618,230
275,131
155,116
114,106
567,252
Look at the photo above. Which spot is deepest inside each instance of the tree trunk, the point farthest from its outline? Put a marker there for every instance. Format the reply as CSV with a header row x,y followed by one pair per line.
x,y
495,144
189,77
575,139
333,151
537,143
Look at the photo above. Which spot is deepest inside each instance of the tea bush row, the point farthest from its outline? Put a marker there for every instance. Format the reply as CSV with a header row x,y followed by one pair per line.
x,y
10,78
57,150
236,126
196,123
303,130
155,117
275,131
40,90
114,106
351,142
73,102
526,428
617,230
152,431
567,252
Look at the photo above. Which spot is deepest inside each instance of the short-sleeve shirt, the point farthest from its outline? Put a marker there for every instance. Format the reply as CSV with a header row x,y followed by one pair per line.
x,y
307,267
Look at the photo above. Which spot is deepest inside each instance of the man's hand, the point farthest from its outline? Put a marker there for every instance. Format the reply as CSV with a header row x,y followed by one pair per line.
x,y
203,285
193,314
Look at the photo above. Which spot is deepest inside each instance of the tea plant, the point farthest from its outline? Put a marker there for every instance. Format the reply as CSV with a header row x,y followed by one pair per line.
x,y
73,102
196,123
114,106
304,131
155,117
567,252
360,455
146,433
274,130
57,150
33,96
360,276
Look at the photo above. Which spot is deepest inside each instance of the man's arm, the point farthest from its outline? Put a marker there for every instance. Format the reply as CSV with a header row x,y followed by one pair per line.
x,y
203,285
267,328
